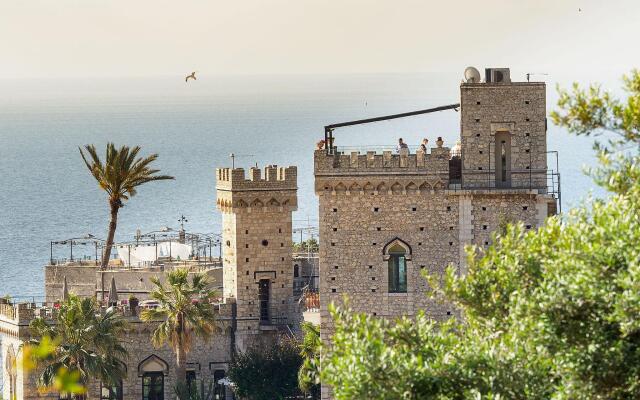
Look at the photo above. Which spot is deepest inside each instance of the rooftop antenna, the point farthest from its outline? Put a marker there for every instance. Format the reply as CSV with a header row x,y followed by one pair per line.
x,y
471,75
182,220
233,158
529,74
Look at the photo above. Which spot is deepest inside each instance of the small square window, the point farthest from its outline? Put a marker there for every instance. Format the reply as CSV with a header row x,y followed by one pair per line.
x,y
246,232
526,119
527,167
335,267
480,151
333,290
373,290
422,229
378,228
279,230
370,266
479,168
448,208
484,208
376,209
526,133
281,244
414,209
528,226
477,103
374,314
451,228
450,243
374,243
333,278
448,312
477,119
484,227
246,246
335,210
247,287
527,150
282,258
283,286
247,273
525,208
333,244
419,243
422,267
373,278
477,135
335,229
486,243
283,300
246,259
526,102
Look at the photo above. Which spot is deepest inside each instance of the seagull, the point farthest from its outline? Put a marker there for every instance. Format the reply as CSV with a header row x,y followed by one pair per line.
x,y
192,76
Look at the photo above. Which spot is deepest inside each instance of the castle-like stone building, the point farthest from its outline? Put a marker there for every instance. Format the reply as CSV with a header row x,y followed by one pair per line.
x,y
257,302
386,218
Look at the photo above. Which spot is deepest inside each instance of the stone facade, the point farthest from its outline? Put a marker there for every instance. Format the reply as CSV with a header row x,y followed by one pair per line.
x,y
429,207
206,358
257,235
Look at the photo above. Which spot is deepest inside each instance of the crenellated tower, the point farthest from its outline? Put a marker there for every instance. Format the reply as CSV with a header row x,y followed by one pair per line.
x,y
257,243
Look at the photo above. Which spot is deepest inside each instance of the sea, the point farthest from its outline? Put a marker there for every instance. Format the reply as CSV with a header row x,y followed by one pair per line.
x,y
47,193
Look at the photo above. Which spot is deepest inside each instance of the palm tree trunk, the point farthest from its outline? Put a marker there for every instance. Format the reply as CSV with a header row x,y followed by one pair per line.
x,y
181,361
112,231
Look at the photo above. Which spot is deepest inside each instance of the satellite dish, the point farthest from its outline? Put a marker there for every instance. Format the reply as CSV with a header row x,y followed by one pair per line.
x,y
471,75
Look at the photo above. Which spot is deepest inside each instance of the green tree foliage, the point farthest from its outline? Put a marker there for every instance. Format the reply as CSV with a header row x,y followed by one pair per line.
x,y
546,314
267,372
120,176
309,245
82,344
185,309
309,373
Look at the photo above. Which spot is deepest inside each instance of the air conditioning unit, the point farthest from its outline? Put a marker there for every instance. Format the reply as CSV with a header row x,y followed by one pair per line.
x,y
497,75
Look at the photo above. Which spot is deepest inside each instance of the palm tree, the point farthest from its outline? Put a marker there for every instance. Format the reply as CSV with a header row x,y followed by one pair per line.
x,y
119,176
185,310
85,344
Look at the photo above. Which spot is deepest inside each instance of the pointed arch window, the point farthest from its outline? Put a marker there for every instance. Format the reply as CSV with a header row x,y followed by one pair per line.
x,y
397,268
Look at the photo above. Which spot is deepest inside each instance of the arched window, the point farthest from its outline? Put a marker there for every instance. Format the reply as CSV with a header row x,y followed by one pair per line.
x,y
153,386
111,392
396,254
296,271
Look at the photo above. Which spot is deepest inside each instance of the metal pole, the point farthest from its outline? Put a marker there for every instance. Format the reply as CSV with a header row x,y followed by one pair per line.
x,y
71,246
96,243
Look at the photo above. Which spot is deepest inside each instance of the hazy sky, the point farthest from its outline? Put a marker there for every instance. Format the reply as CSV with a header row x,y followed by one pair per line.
x,y
112,38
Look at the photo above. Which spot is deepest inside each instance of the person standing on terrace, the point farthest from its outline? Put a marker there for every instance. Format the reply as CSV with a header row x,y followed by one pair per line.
x,y
402,147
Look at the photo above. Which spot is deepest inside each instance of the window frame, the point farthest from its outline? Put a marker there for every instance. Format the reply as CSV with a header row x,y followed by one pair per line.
x,y
118,395
152,374
396,259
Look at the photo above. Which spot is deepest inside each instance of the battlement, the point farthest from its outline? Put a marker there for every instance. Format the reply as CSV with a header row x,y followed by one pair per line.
x,y
275,178
355,163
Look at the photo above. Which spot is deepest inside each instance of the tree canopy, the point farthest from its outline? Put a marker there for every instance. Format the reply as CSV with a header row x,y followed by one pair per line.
x,y
545,314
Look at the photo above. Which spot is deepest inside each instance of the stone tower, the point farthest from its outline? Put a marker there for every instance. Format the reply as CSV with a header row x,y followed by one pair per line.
x,y
387,217
257,243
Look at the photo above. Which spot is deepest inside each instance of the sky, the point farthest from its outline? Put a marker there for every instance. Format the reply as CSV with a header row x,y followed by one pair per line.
x,y
146,38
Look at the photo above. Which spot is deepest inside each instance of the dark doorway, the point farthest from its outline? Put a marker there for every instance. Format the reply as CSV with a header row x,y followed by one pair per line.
x,y
263,297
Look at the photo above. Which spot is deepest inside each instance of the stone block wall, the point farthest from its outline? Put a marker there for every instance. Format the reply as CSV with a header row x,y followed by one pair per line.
x,y
257,242
517,108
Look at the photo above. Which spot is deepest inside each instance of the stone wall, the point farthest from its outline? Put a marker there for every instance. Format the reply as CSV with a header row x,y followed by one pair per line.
x,y
516,108
257,243
88,281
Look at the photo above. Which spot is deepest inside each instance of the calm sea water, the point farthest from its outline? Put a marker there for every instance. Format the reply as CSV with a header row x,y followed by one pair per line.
x,y
46,193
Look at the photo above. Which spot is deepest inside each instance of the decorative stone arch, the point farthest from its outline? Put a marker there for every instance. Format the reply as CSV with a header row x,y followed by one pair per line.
x,y
340,188
425,187
273,203
354,188
397,243
382,188
257,203
153,363
411,188
396,188
242,204
368,188
438,185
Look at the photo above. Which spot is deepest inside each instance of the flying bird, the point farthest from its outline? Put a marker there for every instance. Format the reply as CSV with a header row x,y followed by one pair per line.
x,y
192,76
